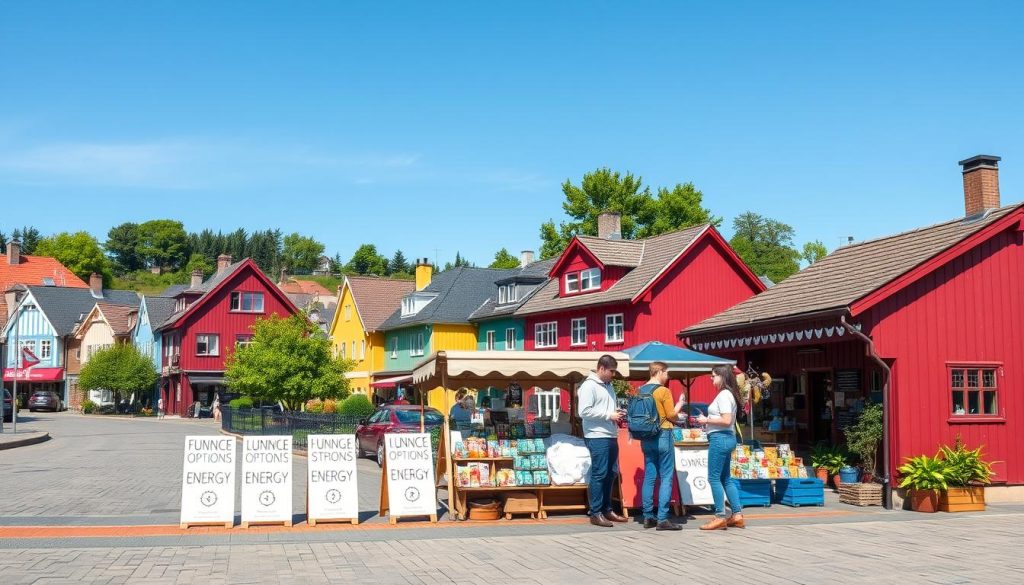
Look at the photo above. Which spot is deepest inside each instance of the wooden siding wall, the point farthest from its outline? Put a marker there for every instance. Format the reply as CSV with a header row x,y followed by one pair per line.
x,y
970,310
498,326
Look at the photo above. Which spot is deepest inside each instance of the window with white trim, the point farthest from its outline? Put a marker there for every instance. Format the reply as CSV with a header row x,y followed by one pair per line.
x,y
545,334
974,390
572,282
578,327
510,339
613,328
590,279
394,347
348,312
362,349
247,302
344,350
416,344
45,349
243,341
207,344
507,294
490,341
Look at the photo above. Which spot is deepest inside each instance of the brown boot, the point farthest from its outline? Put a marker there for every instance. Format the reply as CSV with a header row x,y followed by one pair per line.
x,y
716,524
736,520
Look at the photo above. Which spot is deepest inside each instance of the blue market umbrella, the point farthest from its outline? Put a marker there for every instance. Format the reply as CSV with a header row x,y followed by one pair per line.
x,y
682,363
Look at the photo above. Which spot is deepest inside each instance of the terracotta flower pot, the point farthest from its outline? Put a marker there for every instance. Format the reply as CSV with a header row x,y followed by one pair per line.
x,y
867,477
822,474
836,481
924,500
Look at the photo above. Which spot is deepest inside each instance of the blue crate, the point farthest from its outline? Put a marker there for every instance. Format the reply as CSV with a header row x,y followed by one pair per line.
x,y
800,492
755,492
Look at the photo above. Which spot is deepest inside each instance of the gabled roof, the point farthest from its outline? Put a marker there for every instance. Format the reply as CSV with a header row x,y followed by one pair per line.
x,y
657,255
117,317
460,291
533,273
30,271
628,253
159,310
65,306
214,283
376,298
853,272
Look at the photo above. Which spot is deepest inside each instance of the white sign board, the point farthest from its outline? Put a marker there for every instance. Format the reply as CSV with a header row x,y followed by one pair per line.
x,y
267,479
692,472
410,468
208,481
331,491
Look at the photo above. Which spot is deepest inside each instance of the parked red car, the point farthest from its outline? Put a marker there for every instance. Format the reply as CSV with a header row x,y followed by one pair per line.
x,y
392,418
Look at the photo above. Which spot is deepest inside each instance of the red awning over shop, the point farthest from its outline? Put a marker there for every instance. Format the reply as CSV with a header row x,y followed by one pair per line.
x,y
391,382
34,375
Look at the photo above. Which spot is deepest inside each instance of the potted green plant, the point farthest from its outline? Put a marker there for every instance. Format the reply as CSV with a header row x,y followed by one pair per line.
x,y
863,438
836,460
820,458
925,478
966,474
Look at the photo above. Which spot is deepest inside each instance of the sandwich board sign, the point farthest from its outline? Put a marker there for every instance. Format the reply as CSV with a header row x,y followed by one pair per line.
x,y
692,472
208,481
332,492
407,488
266,480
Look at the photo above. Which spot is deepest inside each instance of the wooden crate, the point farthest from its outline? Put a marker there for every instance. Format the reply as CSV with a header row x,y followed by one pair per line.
x,y
861,494
520,503
965,499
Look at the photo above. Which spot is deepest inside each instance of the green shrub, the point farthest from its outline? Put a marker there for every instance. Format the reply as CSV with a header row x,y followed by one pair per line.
x,y
314,406
242,402
356,405
923,473
963,466
88,407
864,436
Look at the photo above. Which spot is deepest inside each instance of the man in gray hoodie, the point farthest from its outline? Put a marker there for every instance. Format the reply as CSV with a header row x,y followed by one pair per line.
x,y
598,410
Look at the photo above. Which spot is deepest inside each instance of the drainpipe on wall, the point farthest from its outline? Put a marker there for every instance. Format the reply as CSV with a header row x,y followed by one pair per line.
x,y
886,480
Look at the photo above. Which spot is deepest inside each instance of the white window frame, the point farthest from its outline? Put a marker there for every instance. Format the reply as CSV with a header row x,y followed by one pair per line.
x,y
507,293
545,335
45,349
212,349
572,282
575,328
590,279
613,322
238,298
489,344
362,349
394,347
344,350
501,295
348,312
510,339
417,342
243,341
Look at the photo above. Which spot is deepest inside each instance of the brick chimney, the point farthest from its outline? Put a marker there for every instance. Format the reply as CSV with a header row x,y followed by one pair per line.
x,y
223,261
424,273
609,226
96,285
981,184
14,252
525,258
197,279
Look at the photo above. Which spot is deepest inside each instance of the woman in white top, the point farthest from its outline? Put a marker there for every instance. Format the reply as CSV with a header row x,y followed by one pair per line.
x,y
721,444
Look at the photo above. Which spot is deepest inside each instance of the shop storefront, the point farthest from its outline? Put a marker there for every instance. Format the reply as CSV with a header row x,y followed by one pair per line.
x,y
31,380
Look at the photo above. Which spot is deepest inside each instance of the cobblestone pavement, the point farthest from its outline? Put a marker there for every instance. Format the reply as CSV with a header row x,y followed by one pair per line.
x,y
934,549
98,469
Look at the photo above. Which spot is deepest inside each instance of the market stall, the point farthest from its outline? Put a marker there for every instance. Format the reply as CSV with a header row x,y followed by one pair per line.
x,y
504,457
691,455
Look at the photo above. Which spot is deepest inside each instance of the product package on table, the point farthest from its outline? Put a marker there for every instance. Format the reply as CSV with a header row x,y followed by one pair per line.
x,y
768,463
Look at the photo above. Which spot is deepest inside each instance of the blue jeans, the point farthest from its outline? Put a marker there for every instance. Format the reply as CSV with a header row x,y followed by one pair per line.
x,y
604,468
723,485
659,463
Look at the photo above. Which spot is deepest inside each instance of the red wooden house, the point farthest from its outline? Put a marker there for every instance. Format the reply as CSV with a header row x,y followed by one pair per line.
x,y
210,318
928,322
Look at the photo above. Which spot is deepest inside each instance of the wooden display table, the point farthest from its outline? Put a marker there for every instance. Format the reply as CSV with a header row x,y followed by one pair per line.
x,y
550,498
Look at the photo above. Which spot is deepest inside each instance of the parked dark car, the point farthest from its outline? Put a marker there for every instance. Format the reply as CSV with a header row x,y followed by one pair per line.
x,y
45,400
8,407
695,409
392,418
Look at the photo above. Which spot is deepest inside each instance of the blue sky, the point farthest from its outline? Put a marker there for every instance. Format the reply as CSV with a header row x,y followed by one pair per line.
x,y
443,127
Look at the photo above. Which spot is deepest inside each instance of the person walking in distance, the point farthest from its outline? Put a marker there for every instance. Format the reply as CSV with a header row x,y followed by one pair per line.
x,y
659,454
599,413
160,408
722,442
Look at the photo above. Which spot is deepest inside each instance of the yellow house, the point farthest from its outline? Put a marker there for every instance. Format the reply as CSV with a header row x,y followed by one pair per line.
x,y
364,302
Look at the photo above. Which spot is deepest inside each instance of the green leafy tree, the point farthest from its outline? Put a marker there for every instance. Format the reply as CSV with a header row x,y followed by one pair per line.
x,y
399,264
123,246
121,368
287,362
813,251
503,259
337,264
80,252
366,260
301,254
198,261
163,244
642,214
460,262
766,245
30,238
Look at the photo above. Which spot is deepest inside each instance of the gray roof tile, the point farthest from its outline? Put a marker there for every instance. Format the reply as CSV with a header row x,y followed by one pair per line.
x,y
160,309
460,292
64,306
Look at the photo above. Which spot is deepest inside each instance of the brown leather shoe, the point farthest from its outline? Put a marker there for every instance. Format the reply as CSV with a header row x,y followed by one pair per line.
x,y
615,517
600,520
736,521
716,524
